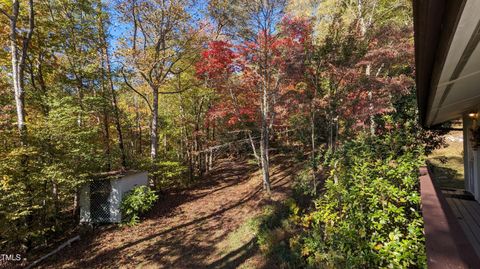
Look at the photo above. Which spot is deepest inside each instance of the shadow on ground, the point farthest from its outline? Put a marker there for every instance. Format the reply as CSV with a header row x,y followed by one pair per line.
x,y
446,171
186,229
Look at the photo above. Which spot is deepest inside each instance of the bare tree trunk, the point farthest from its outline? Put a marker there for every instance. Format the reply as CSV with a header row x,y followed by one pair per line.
x,y
139,126
210,159
154,127
265,106
264,145
106,128
206,167
252,144
370,106
182,150
264,160
191,169
56,206
18,64
196,154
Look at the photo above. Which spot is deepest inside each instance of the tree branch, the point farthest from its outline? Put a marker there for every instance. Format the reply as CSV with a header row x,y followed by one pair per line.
x,y
26,41
133,89
2,11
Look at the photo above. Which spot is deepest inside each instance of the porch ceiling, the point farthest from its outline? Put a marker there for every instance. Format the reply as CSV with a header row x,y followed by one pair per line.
x,y
447,37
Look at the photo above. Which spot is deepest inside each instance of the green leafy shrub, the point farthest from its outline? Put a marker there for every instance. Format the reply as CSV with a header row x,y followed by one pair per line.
x,y
137,202
369,215
168,174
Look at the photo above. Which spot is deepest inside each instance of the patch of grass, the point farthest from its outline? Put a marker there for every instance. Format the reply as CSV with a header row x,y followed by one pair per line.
x,y
252,161
274,232
446,165
247,266
244,234
271,232
240,247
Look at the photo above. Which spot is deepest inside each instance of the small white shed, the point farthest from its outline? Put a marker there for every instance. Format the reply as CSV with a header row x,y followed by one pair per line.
x,y
100,199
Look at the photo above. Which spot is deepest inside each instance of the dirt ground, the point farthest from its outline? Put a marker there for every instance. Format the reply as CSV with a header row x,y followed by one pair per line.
x,y
187,229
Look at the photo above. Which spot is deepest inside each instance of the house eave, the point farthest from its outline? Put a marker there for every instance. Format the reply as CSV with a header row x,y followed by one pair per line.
x,y
435,22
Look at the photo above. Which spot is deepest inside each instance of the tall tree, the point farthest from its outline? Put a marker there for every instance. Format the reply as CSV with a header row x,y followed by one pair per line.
x,y
269,53
19,46
159,46
104,48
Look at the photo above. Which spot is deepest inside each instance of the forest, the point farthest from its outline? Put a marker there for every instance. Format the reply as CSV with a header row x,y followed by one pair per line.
x,y
176,87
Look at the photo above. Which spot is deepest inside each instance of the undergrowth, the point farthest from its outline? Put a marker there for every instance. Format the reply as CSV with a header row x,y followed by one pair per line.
x,y
368,215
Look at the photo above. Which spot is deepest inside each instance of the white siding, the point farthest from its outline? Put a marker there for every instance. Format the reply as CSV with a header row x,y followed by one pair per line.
x,y
131,181
120,187
471,159
115,200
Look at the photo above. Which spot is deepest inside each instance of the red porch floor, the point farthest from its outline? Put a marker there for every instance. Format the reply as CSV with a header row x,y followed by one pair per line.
x,y
446,243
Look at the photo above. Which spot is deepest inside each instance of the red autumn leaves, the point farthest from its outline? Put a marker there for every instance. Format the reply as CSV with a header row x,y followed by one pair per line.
x,y
236,70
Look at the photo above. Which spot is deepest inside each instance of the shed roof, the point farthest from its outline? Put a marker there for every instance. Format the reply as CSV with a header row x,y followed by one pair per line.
x,y
114,175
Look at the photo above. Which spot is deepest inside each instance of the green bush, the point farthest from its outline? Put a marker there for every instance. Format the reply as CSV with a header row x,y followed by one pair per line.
x,y
369,215
169,174
137,202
